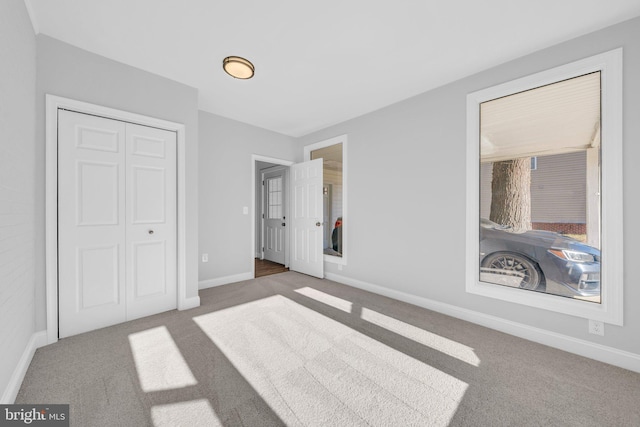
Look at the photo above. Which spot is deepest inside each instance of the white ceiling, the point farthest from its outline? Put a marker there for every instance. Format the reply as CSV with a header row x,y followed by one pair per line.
x,y
318,63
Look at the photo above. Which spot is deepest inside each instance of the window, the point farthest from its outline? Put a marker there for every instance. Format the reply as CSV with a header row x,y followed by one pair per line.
x,y
274,198
333,153
550,239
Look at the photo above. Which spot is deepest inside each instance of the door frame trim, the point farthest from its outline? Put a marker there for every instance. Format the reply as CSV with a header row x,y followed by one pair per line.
x,y
53,104
254,159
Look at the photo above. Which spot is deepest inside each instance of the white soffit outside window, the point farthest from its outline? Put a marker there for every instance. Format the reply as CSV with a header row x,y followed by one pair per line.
x,y
558,118
610,66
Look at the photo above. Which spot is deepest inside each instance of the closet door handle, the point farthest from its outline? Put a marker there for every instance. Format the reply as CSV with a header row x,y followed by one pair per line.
x,y
150,231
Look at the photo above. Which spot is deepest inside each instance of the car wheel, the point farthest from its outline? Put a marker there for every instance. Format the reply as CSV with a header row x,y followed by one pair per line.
x,y
510,263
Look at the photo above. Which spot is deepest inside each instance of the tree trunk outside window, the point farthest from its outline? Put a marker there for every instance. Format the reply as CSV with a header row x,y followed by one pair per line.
x,y
511,194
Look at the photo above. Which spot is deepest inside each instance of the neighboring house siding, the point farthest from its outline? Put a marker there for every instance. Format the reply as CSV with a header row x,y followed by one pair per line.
x,y
558,191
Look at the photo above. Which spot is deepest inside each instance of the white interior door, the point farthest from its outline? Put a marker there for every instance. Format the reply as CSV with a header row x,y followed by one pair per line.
x,y
151,221
91,231
306,218
116,183
274,209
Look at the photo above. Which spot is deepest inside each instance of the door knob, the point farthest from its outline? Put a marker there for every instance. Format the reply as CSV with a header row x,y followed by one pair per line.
x,y
318,224
283,224
150,231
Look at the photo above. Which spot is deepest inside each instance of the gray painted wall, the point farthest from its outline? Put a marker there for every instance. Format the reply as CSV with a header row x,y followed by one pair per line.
x,y
17,184
70,72
407,204
226,147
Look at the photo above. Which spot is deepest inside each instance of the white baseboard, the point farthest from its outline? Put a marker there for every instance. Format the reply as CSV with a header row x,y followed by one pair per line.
x,y
189,303
204,284
37,340
610,355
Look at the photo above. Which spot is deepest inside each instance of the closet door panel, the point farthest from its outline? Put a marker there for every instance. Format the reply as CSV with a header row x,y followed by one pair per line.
x,y
91,222
151,221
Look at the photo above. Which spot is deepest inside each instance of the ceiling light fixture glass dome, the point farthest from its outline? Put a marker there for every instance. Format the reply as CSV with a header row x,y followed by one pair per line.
x,y
238,67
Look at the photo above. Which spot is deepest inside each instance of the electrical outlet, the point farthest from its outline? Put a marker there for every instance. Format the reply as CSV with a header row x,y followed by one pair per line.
x,y
205,257
596,327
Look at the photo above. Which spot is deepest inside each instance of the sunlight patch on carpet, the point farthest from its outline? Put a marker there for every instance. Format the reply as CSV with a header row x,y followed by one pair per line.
x,y
313,370
325,298
158,360
419,335
188,414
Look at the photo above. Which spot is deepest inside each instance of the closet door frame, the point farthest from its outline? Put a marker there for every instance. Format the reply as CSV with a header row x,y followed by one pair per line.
x,y
55,103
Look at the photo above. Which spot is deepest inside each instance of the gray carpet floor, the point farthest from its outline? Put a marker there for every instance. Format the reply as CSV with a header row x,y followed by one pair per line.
x,y
289,349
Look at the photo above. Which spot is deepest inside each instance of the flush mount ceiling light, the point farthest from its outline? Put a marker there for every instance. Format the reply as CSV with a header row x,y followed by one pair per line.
x,y
238,67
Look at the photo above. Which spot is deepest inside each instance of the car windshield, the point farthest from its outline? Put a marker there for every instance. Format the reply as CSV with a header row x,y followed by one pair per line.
x,y
485,223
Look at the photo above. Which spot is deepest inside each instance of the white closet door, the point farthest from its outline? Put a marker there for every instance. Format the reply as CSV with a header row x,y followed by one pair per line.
x,y
117,236
151,221
91,222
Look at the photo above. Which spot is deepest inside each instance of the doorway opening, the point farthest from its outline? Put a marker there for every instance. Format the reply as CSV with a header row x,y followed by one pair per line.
x,y
266,268
302,214
273,217
274,173
303,232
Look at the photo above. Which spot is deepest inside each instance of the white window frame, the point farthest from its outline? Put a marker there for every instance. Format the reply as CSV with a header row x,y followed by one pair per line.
x,y
342,139
611,308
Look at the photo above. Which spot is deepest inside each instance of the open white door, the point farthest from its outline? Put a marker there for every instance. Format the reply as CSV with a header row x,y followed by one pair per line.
x,y
306,218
